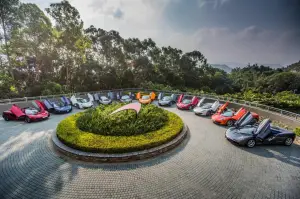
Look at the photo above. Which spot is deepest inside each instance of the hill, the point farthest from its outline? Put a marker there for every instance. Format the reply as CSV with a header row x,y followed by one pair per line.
x,y
223,67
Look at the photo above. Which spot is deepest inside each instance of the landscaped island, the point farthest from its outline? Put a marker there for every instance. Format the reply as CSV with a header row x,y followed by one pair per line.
x,y
97,130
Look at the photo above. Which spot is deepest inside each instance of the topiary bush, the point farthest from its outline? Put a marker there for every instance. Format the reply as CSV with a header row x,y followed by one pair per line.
x,y
124,123
68,132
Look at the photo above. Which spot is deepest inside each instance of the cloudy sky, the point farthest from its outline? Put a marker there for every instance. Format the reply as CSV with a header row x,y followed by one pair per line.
x,y
242,31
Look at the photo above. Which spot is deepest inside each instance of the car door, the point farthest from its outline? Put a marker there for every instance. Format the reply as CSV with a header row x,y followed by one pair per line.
x,y
37,104
180,98
215,106
200,102
96,97
173,96
73,100
160,96
194,101
138,95
152,96
48,104
223,107
244,120
65,100
91,99
16,110
240,113
263,130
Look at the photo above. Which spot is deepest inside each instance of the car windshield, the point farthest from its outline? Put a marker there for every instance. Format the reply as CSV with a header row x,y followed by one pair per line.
x,y
227,114
57,104
186,101
206,106
80,100
31,111
166,98
145,97
125,97
103,98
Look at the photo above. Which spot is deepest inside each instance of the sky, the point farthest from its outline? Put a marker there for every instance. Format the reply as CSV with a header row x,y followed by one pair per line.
x,y
225,31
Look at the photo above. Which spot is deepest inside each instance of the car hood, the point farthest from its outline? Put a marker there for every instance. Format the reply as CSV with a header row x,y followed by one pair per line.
x,y
182,105
63,108
164,101
87,104
238,134
200,109
39,115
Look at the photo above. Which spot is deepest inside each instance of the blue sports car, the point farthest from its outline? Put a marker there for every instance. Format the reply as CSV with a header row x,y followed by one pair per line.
x,y
58,106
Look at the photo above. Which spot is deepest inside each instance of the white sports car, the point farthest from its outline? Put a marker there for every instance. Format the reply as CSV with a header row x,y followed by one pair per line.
x,y
206,109
104,100
81,102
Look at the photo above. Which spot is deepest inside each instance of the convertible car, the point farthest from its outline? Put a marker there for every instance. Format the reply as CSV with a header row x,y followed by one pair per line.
x,y
187,103
81,102
58,106
166,100
229,117
264,133
206,109
28,114
145,99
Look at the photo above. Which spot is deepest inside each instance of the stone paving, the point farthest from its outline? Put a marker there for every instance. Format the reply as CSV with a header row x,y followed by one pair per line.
x,y
204,166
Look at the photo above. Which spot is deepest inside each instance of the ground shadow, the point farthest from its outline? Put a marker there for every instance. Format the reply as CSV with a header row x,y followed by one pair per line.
x,y
289,155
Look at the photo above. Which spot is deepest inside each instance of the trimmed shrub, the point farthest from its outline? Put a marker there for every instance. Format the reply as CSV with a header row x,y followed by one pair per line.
x,y
297,131
71,135
124,123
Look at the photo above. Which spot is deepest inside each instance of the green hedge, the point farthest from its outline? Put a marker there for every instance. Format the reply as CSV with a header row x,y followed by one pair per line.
x,y
71,135
297,131
124,123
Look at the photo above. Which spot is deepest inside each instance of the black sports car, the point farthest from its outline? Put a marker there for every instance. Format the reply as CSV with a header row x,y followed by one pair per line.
x,y
264,133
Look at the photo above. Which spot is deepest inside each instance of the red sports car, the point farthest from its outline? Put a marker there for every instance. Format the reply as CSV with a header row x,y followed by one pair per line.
x,y
229,117
187,103
28,114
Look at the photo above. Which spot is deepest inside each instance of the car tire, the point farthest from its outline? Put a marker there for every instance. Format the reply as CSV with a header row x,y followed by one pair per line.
x,y
191,107
170,103
27,120
77,106
5,117
250,143
230,123
288,141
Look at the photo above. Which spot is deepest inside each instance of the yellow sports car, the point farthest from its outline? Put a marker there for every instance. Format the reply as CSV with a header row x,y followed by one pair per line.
x,y
145,99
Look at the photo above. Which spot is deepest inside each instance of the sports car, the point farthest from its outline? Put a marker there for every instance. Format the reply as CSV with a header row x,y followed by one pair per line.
x,y
229,117
28,114
104,100
206,109
166,100
187,103
81,102
126,99
264,133
145,99
58,106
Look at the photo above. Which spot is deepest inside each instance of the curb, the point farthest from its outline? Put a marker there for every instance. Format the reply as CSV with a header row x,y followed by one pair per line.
x,y
122,157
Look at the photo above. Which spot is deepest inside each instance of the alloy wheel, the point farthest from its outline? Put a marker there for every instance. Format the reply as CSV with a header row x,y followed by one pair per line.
x,y
251,143
288,141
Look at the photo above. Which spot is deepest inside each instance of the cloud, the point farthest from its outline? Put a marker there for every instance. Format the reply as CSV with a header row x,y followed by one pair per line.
x,y
214,3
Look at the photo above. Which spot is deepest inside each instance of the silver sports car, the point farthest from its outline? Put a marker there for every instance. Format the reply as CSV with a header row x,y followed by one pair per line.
x,y
166,100
206,109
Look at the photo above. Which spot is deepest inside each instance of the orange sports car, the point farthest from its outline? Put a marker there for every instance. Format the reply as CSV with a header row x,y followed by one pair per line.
x,y
145,99
229,117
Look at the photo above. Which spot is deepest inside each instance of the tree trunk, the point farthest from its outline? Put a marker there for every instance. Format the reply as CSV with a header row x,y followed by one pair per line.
x,y
6,48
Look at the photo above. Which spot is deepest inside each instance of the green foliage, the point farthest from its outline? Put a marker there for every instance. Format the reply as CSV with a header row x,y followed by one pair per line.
x,y
297,131
52,88
124,123
71,135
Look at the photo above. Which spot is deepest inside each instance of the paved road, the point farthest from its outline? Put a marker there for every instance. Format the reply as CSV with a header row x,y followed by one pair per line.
x,y
206,166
